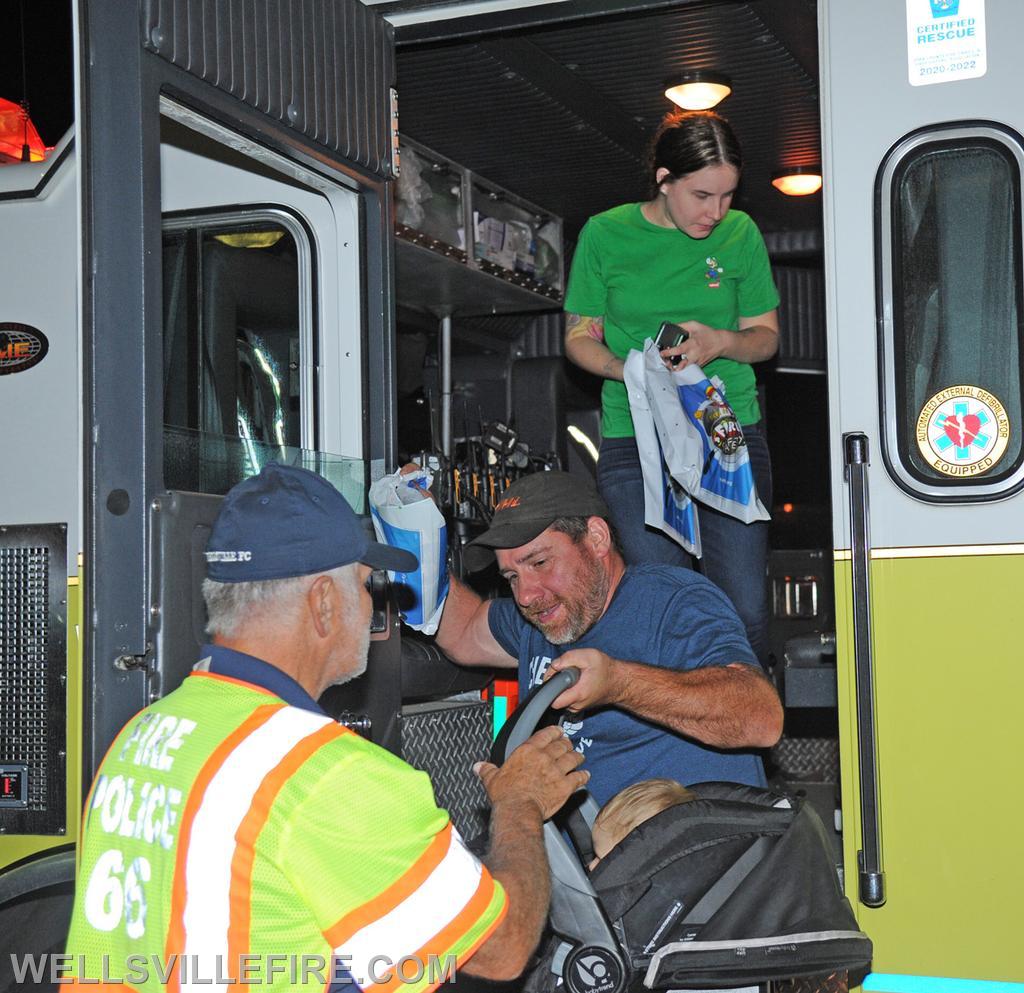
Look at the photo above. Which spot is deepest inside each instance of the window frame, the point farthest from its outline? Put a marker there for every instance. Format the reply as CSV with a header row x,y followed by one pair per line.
x,y
958,489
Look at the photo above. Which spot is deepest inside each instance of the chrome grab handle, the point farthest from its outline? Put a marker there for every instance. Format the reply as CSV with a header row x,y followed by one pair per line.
x,y
872,877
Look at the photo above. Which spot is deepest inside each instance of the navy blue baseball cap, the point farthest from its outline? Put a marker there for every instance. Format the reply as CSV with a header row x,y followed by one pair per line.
x,y
289,522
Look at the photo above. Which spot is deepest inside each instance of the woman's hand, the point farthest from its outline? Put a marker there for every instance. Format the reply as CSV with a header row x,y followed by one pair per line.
x,y
704,344
756,340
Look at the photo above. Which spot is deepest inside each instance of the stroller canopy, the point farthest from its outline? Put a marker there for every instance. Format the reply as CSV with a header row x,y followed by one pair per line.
x,y
734,888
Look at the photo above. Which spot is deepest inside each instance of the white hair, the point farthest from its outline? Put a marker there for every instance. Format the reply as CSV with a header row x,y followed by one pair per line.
x,y
230,606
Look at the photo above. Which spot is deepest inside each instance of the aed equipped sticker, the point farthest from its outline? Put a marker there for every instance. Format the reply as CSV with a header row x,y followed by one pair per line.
x,y
21,347
945,40
963,431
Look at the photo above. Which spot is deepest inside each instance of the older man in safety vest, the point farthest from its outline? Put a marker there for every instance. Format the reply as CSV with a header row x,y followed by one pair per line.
x,y
235,834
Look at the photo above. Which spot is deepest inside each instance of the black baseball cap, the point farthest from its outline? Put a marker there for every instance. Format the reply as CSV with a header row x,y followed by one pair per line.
x,y
288,522
528,507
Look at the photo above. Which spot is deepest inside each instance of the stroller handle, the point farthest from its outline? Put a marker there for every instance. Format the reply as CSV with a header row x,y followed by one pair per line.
x,y
576,914
528,714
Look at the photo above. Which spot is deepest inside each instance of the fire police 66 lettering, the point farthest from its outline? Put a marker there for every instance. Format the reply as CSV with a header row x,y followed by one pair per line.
x,y
136,808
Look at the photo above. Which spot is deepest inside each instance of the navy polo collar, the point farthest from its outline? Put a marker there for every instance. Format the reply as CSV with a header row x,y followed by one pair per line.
x,y
249,669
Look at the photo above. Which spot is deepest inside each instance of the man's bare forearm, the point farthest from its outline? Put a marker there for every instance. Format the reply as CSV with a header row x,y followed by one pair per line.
x,y
732,706
518,861
464,633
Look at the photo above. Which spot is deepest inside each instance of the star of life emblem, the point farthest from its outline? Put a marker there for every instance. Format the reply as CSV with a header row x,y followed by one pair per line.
x,y
963,431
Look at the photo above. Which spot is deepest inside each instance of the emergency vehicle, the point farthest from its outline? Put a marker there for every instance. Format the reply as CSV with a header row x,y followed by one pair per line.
x,y
203,273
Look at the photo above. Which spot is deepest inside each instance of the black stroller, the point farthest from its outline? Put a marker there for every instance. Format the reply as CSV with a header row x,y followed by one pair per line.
x,y
733,889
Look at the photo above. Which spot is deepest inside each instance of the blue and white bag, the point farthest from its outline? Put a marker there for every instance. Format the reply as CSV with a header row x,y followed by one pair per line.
x,y
701,442
667,506
406,517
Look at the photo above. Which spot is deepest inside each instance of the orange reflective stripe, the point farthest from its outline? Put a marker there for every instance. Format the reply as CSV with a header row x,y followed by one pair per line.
x,y
447,937
176,930
387,900
240,897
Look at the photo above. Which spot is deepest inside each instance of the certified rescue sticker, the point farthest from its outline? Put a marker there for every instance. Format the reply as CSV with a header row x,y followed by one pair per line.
x,y
963,431
945,41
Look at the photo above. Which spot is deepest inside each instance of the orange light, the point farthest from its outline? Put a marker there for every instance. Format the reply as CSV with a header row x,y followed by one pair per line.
x,y
19,140
800,181
700,90
787,508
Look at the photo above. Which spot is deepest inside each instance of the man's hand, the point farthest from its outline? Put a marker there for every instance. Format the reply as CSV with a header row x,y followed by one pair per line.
x,y
543,771
411,469
598,684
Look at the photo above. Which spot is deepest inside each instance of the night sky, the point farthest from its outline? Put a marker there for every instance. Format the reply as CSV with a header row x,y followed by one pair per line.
x,y
47,64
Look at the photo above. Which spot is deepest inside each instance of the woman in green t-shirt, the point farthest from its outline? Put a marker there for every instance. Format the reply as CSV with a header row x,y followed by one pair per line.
x,y
682,256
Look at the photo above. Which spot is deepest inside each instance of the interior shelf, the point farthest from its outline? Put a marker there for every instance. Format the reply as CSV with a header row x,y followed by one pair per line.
x,y
517,255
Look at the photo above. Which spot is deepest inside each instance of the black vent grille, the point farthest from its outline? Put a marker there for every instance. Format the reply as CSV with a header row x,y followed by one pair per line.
x,y
801,317
323,67
33,668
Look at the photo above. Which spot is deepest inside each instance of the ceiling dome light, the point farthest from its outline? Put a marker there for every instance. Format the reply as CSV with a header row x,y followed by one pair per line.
x,y
799,181
698,90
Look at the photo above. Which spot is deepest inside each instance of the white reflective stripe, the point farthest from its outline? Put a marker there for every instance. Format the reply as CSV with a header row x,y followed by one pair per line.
x,y
440,898
211,846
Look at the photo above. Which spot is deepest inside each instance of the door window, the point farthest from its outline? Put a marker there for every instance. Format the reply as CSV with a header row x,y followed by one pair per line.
x,y
237,368
950,249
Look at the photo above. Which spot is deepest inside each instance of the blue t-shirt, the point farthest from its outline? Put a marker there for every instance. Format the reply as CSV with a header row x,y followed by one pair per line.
x,y
662,616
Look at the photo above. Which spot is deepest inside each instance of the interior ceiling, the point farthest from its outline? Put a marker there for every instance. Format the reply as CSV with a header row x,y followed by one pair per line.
x,y
561,112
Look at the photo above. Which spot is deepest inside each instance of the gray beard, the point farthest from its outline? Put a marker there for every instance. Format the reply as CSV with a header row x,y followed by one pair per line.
x,y
590,608
360,651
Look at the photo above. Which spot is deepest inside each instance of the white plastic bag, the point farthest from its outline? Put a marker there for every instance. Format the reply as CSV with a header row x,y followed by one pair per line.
x,y
667,506
405,516
701,442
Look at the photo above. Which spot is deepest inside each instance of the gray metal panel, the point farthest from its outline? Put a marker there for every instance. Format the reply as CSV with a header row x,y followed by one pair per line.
x,y
41,405
180,525
122,362
323,67
855,146
444,740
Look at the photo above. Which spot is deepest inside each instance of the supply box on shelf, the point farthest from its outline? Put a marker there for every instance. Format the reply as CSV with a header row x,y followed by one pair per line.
x,y
437,201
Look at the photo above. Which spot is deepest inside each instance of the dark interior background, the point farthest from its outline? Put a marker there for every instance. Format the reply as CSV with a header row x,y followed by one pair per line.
x,y
558,103
561,113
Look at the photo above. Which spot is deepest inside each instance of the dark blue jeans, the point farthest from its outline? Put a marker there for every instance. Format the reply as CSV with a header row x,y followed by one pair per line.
x,y
735,554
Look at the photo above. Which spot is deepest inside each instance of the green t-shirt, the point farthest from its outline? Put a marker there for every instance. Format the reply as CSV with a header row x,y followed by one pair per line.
x,y
636,274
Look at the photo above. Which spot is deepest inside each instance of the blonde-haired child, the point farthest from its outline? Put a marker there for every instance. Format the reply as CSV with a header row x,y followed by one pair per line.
x,y
632,806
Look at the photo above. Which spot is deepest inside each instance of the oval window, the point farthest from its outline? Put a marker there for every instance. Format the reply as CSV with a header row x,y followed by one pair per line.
x,y
950,309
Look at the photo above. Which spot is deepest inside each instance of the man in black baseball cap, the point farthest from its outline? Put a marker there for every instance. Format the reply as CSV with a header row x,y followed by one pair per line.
x,y
271,831
530,506
669,687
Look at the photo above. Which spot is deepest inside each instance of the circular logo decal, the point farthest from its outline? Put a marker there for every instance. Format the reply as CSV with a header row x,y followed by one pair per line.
x,y
963,431
593,970
21,347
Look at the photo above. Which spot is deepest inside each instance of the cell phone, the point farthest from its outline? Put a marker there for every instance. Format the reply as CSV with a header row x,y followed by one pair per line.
x,y
670,335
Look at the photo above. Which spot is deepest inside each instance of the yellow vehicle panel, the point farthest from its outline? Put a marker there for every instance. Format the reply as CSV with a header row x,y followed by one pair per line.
x,y
949,685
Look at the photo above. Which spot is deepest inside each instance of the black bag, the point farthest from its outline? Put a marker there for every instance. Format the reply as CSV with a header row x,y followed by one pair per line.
x,y
734,888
